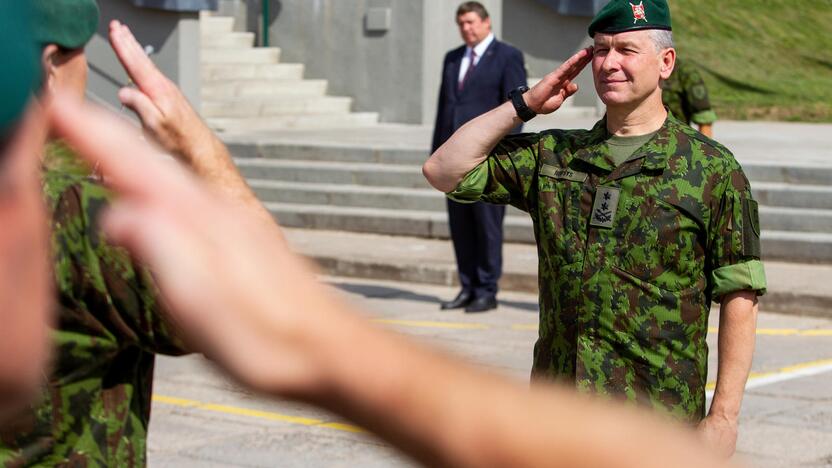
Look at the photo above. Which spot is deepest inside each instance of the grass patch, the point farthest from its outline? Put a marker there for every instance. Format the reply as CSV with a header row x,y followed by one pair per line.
x,y
761,59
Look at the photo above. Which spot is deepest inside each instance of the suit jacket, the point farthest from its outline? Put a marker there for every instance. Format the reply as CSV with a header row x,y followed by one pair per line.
x,y
499,70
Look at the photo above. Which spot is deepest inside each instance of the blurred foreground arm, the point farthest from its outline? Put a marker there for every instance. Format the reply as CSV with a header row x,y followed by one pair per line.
x,y
470,145
25,278
167,116
289,336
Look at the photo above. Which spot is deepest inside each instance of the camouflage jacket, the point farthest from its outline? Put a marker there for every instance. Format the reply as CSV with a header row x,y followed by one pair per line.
x,y
95,406
686,96
630,257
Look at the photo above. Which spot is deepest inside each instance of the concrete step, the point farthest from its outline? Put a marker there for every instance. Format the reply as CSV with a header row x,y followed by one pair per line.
x,y
260,55
800,196
376,175
802,247
798,220
265,124
348,195
335,153
429,224
232,40
216,90
222,72
392,198
801,174
793,288
799,192
216,24
776,245
427,199
289,105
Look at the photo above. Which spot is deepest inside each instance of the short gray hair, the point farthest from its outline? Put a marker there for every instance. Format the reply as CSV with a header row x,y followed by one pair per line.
x,y
662,39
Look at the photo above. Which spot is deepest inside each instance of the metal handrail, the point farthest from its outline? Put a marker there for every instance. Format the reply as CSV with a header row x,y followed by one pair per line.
x,y
265,14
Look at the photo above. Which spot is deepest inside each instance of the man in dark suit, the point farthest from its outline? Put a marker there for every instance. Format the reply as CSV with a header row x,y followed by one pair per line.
x,y
476,77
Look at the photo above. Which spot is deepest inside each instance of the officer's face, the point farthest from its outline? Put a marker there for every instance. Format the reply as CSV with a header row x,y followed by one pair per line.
x,y
627,67
472,28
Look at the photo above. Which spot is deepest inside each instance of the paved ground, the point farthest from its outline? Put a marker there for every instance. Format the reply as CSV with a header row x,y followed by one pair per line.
x,y
199,419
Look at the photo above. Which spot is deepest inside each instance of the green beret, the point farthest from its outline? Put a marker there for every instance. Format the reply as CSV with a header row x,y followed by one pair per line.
x,y
627,15
19,60
67,23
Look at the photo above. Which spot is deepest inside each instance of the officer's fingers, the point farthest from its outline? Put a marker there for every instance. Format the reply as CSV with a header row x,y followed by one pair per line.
x,y
571,89
135,61
131,166
142,105
128,50
572,66
575,68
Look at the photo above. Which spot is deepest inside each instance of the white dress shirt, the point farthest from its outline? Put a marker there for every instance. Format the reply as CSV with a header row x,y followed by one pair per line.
x,y
479,49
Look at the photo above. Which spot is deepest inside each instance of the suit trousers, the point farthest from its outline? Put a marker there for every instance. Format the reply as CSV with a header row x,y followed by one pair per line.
x,y
477,234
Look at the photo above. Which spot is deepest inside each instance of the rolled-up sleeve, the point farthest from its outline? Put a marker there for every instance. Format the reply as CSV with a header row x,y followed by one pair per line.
x,y
735,252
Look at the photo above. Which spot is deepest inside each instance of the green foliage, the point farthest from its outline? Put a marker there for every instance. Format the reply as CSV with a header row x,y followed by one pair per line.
x,y
761,59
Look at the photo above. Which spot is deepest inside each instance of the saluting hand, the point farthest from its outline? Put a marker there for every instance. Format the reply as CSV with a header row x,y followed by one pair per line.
x,y
170,120
550,93
164,111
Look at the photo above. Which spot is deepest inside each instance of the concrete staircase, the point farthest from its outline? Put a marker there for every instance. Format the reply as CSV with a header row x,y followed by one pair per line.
x,y
246,88
383,192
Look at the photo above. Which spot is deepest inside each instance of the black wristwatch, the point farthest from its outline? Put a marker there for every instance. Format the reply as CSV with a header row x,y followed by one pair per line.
x,y
523,111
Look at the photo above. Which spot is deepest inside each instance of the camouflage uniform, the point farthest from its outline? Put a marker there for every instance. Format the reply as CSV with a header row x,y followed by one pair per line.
x,y
686,96
95,407
630,257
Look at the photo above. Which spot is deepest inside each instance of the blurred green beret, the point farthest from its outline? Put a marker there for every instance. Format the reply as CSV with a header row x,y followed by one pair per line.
x,y
19,61
627,15
67,23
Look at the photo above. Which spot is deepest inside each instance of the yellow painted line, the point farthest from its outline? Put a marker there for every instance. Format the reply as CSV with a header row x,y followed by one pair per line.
x,y
427,324
524,326
257,414
760,379
807,365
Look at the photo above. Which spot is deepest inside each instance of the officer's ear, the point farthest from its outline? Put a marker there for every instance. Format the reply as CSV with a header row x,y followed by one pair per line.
x,y
50,59
667,61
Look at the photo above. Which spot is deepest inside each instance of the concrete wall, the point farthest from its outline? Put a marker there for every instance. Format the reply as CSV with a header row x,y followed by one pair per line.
x,y
547,39
439,35
382,71
174,37
395,72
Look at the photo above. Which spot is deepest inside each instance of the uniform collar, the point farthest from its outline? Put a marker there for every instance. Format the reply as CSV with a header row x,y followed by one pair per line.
x,y
652,155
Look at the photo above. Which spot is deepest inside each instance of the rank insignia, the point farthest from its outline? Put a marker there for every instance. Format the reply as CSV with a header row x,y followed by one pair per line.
x,y
639,13
603,210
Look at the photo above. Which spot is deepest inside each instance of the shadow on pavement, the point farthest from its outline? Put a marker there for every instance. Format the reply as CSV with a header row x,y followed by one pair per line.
x,y
373,291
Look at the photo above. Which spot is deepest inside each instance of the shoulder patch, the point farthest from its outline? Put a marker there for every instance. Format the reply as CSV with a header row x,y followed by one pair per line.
x,y
750,228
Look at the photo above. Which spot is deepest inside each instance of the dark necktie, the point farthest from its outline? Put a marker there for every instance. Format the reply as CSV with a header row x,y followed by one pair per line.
x,y
470,70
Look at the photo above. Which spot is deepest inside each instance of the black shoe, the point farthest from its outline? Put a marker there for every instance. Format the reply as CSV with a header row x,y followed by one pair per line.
x,y
481,304
461,300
